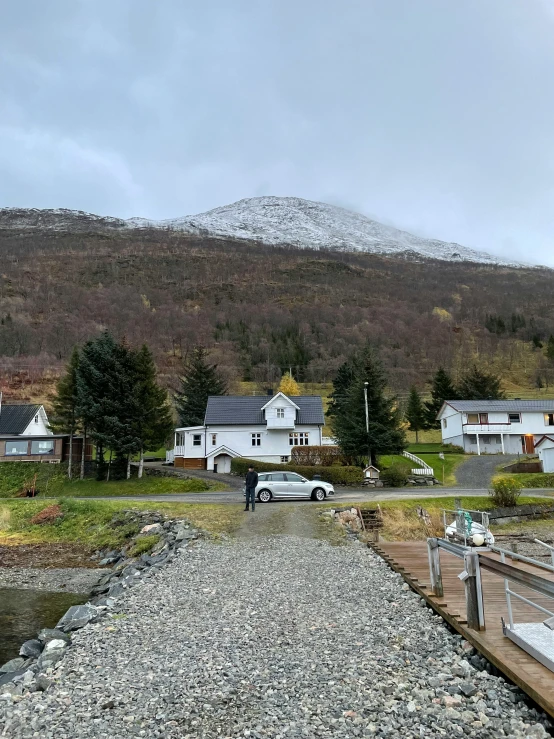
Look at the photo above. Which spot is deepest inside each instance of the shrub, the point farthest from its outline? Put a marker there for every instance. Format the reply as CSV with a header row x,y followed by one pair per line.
x,y
335,475
396,476
312,455
505,492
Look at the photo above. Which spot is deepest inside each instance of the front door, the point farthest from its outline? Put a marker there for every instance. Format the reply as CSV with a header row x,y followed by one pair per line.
x,y
529,444
222,463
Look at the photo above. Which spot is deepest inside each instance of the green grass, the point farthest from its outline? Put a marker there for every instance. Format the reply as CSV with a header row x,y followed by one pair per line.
x,y
52,482
451,462
88,522
144,544
422,448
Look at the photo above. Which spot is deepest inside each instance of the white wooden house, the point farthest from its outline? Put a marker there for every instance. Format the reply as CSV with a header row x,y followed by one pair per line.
x,y
258,428
545,449
496,426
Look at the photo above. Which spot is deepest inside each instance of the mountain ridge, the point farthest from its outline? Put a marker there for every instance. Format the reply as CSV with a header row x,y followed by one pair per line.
x,y
270,220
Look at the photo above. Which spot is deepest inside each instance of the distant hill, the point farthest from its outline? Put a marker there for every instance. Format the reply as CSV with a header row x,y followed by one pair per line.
x,y
266,220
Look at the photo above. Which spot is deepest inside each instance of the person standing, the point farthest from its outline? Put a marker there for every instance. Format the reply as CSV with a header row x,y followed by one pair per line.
x,y
251,483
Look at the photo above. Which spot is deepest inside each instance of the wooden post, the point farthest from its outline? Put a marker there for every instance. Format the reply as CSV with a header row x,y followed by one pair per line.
x,y
474,597
435,567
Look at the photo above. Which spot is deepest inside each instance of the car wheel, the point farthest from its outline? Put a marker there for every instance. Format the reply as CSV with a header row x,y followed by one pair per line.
x,y
318,494
264,496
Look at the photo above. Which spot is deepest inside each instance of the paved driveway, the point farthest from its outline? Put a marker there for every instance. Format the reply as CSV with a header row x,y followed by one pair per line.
x,y
476,472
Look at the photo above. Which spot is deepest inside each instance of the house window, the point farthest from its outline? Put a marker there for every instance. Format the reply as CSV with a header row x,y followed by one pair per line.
x,y
444,423
473,418
280,412
299,439
483,418
284,460
514,417
13,448
214,439
256,439
197,440
472,438
42,446
36,418
549,419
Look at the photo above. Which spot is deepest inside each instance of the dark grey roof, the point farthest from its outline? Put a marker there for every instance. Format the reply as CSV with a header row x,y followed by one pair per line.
x,y
502,405
246,410
14,419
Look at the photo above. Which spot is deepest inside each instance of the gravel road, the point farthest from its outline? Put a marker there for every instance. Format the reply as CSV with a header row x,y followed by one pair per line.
x,y
271,636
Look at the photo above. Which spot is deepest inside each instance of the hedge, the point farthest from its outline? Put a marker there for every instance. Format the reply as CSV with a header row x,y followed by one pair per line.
x,y
335,475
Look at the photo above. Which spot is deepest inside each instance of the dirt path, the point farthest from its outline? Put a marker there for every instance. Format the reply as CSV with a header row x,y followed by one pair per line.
x,y
476,472
300,520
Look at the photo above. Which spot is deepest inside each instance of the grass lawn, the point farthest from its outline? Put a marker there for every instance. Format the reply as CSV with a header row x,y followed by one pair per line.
x,y
52,481
451,461
401,522
88,521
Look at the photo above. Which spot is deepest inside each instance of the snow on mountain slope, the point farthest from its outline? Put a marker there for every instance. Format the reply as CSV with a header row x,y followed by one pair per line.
x,y
269,220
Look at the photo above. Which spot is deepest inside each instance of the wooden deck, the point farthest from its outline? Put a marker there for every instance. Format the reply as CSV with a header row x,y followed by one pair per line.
x,y
410,559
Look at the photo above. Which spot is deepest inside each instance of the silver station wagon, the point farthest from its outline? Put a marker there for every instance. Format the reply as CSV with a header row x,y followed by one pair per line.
x,y
283,485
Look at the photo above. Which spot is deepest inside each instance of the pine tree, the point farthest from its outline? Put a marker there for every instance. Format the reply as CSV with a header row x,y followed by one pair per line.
x,y
341,384
415,412
152,419
442,388
349,415
478,385
64,417
288,385
200,380
550,348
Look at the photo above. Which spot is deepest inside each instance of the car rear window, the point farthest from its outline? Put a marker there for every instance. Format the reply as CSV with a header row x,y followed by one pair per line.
x,y
262,478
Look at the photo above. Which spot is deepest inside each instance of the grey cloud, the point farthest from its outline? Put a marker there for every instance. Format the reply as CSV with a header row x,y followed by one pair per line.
x,y
437,117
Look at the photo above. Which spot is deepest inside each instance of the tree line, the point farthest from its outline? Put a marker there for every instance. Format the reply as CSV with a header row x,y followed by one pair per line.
x,y
110,396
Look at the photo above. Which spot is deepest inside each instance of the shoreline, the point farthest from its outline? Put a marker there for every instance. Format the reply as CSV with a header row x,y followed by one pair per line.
x,y
78,580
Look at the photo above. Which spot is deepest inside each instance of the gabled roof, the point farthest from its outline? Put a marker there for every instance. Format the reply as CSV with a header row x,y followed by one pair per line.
x,y
246,410
14,419
280,395
542,439
223,450
501,405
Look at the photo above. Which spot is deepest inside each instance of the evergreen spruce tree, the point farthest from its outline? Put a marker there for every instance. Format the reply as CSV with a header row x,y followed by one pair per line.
x,y
442,388
385,435
105,380
65,417
341,384
415,412
152,418
476,384
200,380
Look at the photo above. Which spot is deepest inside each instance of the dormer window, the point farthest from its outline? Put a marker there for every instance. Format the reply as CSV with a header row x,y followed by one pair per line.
x,y
280,412
36,418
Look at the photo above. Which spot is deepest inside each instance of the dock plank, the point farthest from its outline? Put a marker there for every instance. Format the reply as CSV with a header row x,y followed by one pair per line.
x,y
410,560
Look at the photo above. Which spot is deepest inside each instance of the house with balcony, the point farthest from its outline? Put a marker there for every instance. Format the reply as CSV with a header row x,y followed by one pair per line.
x,y
496,426
259,428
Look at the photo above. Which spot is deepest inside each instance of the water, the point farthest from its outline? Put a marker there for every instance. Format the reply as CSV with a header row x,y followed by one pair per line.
x,y
23,613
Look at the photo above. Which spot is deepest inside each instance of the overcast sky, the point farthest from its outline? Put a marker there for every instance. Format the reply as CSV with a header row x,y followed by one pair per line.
x,y
436,116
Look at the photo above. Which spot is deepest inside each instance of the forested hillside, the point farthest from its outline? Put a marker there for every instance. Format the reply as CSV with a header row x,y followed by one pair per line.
x,y
264,309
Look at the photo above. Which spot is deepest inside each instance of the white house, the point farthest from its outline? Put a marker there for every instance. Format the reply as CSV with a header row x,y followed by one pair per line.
x,y
496,426
258,428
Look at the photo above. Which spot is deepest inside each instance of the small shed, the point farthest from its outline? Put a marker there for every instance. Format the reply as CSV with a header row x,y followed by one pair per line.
x,y
545,449
371,473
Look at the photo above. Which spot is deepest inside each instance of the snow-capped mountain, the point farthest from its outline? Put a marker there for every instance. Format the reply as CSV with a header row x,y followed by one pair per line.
x,y
268,220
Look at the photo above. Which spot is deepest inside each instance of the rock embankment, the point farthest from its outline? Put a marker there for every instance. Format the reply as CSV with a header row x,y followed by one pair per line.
x,y
273,637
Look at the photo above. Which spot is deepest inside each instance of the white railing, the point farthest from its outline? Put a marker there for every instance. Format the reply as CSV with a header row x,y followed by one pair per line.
x,y
169,456
488,428
328,441
425,469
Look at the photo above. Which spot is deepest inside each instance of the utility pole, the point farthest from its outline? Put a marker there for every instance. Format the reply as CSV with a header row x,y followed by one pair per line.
x,y
367,422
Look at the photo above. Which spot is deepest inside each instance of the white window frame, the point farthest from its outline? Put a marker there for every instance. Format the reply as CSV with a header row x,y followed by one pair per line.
x,y
256,439
280,412
444,422
214,439
547,417
299,438
284,459
510,420
197,440
36,418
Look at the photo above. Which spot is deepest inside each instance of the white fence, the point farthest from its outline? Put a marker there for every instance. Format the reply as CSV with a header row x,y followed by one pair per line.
x,y
423,470
170,456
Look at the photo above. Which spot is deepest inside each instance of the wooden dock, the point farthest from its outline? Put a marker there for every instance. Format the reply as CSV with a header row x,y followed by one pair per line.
x,y
410,559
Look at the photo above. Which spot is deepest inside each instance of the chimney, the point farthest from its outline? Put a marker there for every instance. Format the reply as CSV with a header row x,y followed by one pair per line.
x,y
269,392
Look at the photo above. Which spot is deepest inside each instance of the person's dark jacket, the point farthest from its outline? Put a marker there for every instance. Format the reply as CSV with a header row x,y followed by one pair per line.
x,y
251,479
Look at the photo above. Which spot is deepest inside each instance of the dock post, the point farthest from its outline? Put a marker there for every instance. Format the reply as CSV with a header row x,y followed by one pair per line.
x,y
435,567
475,611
